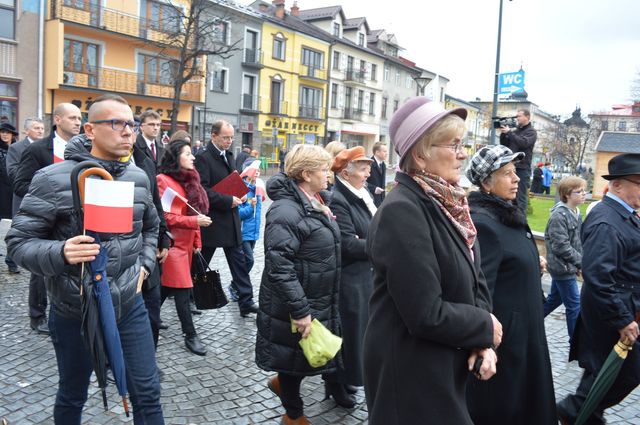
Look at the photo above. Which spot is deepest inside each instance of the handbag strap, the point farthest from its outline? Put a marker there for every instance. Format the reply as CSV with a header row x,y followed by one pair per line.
x,y
203,262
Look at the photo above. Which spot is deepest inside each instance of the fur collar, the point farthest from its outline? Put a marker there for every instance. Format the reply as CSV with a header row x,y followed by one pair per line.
x,y
506,212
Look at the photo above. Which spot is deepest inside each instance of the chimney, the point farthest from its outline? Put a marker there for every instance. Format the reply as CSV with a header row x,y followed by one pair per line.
x,y
295,10
279,4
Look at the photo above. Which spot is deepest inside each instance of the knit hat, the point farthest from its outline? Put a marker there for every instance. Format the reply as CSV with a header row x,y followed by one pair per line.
x,y
487,160
413,119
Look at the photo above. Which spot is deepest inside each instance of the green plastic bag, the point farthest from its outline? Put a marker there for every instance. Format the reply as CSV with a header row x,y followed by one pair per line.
x,y
320,346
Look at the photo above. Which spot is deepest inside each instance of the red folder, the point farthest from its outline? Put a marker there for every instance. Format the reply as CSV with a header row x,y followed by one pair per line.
x,y
231,185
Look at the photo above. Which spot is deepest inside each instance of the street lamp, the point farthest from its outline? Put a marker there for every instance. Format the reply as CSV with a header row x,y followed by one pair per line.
x,y
494,113
421,82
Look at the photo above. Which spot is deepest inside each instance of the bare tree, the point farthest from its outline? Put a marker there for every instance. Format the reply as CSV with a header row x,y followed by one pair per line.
x,y
190,34
572,141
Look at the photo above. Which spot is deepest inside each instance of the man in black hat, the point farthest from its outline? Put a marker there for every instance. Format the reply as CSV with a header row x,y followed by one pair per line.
x,y
611,289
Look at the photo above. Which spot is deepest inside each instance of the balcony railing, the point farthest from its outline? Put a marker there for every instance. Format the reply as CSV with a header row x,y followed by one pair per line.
x,y
313,72
274,107
249,102
311,112
97,16
353,75
352,113
130,82
253,57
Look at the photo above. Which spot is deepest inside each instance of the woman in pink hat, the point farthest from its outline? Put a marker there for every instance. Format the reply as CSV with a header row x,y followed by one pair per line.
x,y
430,322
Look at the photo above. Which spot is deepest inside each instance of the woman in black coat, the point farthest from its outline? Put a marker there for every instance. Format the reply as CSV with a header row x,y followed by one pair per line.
x,y
353,207
536,182
429,321
522,390
301,274
8,135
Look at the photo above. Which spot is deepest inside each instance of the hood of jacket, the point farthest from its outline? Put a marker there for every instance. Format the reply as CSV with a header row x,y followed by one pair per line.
x,y
506,212
78,149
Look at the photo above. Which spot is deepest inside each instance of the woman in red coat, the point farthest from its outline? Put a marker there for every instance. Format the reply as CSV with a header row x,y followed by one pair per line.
x,y
178,181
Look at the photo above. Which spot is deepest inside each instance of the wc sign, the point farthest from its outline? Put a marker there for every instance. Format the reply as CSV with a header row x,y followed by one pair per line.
x,y
511,82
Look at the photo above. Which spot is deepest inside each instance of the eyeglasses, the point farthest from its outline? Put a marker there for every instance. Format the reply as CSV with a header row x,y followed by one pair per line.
x,y
456,147
579,192
119,125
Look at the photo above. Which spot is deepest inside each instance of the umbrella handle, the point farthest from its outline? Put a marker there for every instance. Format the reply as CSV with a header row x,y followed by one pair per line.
x,y
94,171
77,201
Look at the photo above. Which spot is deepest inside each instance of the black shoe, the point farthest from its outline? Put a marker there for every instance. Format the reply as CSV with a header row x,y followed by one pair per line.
x,y
40,325
193,309
339,394
14,270
253,308
163,326
351,389
194,345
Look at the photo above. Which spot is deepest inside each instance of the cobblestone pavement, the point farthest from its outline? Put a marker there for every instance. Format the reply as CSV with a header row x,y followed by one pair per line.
x,y
224,387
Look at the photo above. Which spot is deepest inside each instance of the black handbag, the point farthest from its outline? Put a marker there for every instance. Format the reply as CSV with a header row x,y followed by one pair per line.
x,y
207,287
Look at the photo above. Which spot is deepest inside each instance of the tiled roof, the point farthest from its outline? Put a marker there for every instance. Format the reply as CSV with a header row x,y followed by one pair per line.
x,y
292,22
320,13
355,23
613,141
621,111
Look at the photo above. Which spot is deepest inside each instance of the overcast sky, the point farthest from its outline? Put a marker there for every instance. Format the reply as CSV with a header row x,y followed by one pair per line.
x,y
574,52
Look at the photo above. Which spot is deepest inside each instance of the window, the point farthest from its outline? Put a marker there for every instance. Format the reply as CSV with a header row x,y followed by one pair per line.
x,y
249,98
363,66
7,19
397,78
279,46
9,103
251,47
395,105
605,125
638,127
312,59
336,29
336,60
408,82
361,39
276,95
155,70
159,16
372,103
622,126
334,95
385,101
374,72
360,100
219,81
221,31
78,4
81,57
441,94
310,101
349,63
386,73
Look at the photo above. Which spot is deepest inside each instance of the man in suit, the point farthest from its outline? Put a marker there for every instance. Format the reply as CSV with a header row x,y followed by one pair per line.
x,y
197,147
40,154
611,290
214,164
377,180
242,157
147,139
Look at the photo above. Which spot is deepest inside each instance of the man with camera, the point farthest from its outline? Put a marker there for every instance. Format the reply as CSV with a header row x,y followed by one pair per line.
x,y
521,139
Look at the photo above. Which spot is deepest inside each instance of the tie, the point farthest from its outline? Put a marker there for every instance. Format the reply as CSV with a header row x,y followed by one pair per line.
x,y
153,150
224,157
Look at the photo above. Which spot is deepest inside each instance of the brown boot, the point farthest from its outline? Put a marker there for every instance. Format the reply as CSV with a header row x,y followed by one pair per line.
x,y
302,420
274,385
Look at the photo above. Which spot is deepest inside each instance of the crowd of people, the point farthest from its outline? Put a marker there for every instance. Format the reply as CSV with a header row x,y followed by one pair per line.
x,y
434,289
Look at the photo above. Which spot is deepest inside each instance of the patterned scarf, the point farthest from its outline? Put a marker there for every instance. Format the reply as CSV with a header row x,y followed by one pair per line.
x,y
452,200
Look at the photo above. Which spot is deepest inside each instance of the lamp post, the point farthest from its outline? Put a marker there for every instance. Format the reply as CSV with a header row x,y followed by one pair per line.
x,y
421,82
492,134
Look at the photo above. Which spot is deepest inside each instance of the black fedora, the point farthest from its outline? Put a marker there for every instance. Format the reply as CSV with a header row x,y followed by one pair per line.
x,y
5,126
623,165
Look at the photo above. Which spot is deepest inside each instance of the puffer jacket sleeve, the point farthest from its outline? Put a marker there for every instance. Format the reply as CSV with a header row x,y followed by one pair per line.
x,y
27,241
560,241
282,241
150,224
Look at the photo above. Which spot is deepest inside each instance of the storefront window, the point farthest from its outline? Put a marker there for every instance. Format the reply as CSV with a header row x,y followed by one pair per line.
x,y
9,103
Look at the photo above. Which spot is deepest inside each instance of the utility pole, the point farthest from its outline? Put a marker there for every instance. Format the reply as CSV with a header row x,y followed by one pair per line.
x,y
494,113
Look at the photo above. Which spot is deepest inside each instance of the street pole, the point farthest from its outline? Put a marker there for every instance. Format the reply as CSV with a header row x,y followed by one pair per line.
x,y
494,113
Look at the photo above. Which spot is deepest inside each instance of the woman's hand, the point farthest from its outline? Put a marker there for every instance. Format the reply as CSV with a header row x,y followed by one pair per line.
x,y
303,325
497,331
488,366
543,264
203,220
197,250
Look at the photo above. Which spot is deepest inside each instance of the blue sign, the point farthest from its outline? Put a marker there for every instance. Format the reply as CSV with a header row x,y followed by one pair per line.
x,y
511,82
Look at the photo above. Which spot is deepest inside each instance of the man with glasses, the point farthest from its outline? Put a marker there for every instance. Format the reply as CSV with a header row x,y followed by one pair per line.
x,y
214,164
147,140
45,238
39,154
611,291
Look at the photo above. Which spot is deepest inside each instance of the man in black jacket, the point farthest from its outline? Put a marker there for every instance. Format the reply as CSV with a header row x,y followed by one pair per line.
x,y
377,180
214,164
37,155
34,128
46,239
242,157
521,139
147,140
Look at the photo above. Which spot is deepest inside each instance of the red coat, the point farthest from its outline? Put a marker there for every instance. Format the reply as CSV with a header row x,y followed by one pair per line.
x,y
176,271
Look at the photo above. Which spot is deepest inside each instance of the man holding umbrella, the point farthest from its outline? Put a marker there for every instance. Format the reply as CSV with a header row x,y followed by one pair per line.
x,y
611,292
44,239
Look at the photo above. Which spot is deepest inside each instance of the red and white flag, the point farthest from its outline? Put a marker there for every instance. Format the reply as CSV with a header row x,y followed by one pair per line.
x,y
172,202
108,206
58,149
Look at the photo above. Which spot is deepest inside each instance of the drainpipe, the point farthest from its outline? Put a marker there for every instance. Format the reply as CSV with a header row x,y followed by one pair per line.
x,y
40,59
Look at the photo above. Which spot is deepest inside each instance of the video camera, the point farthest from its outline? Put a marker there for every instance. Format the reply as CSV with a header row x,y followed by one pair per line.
x,y
504,122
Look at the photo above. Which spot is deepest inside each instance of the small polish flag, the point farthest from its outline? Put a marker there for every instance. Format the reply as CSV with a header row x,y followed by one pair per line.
x,y
58,149
261,189
172,202
108,206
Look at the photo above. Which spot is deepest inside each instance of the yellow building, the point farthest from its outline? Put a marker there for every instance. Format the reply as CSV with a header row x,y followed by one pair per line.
x,y
115,46
293,83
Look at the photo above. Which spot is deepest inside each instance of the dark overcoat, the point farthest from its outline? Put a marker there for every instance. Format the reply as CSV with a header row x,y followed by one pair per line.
x,y
377,178
225,230
37,155
301,277
430,307
356,279
610,295
521,392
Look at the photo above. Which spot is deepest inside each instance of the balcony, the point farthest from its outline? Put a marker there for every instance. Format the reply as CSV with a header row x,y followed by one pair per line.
x,y
352,114
311,112
130,82
249,103
313,73
253,58
94,15
274,107
8,58
354,76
